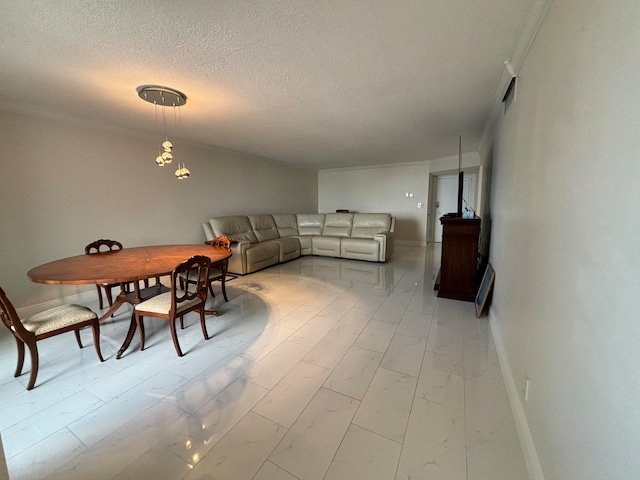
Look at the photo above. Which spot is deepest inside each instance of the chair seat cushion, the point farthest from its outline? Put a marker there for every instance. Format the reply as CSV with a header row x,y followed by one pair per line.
x,y
162,303
58,317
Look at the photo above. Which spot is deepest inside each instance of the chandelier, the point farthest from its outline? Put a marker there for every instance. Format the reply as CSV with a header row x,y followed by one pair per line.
x,y
163,98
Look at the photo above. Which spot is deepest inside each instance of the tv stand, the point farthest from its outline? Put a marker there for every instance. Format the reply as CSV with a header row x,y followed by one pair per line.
x,y
459,264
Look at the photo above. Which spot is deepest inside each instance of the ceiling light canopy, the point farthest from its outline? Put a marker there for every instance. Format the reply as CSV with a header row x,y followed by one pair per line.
x,y
165,97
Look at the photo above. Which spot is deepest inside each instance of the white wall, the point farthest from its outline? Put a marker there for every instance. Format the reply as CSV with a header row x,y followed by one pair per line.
x,y
565,240
64,185
384,188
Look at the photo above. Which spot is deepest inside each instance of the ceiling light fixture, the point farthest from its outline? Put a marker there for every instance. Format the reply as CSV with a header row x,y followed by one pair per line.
x,y
165,97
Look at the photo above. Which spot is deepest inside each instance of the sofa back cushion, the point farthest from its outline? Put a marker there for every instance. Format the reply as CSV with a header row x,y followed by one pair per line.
x,y
366,225
236,227
264,227
310,223
338,224
287,224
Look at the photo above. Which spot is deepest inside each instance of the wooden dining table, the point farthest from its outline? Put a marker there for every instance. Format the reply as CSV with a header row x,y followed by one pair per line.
x,y
121,266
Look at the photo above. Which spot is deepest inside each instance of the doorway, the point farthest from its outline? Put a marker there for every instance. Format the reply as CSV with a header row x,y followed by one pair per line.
x,y
446,198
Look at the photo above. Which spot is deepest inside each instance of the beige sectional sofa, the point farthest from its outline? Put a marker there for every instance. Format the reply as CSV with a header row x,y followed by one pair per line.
x,y
264,240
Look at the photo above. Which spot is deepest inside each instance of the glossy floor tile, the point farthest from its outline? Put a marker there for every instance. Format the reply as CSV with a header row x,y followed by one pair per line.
x,y
319,368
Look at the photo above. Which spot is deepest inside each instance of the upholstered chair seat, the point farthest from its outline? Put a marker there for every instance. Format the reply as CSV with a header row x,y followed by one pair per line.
x,y
57,318
162,303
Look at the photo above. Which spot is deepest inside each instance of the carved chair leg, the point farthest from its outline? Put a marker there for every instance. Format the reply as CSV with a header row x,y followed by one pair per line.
x,y
20,345
140,322
224,290
174,335
33,350
203,324
95,326
78,340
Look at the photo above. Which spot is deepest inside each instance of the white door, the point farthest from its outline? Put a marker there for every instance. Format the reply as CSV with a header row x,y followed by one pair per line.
x,y
447,198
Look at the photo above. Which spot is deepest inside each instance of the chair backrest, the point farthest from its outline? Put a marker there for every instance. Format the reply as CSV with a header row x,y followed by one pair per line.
x,y
10,317
95,247
196,271
222,242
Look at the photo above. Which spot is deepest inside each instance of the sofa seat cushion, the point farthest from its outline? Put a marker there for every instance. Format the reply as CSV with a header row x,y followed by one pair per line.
x,y
360,249
326,246
262,255
289,248
305,244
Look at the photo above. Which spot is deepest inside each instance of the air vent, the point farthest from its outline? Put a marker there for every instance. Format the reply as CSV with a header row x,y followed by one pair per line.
x,y
510,95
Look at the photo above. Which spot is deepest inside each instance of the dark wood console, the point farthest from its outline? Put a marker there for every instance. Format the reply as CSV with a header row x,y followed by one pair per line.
x,y
459,264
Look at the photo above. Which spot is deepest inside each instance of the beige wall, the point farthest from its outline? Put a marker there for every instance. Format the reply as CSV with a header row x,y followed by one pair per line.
x,y
380,190
65,185
565,241
383,189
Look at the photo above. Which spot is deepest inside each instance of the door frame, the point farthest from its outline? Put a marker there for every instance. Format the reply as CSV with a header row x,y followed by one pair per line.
x,y
433,182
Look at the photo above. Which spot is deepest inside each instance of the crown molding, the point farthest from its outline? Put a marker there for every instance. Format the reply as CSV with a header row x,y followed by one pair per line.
x,y
467,158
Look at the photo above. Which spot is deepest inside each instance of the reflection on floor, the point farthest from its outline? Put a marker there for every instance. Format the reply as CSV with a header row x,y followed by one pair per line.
x,y
319,368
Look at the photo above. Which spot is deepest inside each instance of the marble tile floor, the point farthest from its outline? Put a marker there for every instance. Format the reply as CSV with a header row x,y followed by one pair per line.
x,y
319,368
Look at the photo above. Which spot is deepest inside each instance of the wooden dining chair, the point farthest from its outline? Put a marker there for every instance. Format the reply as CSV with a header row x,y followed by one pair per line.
x,y
218,270
99,247
49,323
177,302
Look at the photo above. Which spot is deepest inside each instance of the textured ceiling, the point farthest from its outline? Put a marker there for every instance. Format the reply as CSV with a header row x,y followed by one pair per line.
x,y
316,83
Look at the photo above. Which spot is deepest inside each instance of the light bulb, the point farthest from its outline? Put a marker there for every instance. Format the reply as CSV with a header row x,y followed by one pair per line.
x,y
167,146
167,157
160,161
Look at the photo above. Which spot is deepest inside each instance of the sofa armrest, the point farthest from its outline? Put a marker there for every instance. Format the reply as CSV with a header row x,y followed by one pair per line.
x,y
387,242
238,259
208,231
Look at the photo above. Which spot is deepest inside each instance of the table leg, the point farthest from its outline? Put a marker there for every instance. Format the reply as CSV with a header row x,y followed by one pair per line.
x,y
129,337
112,309
133,298
121,300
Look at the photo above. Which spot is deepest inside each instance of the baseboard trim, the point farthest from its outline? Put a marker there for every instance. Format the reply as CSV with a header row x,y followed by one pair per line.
x,y
529,451
410,243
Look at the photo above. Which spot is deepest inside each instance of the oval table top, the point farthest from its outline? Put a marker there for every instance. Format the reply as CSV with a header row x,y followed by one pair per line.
x,y
126,265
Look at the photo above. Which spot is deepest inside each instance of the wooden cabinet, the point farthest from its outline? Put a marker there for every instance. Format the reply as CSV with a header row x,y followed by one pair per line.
x,y
459,264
